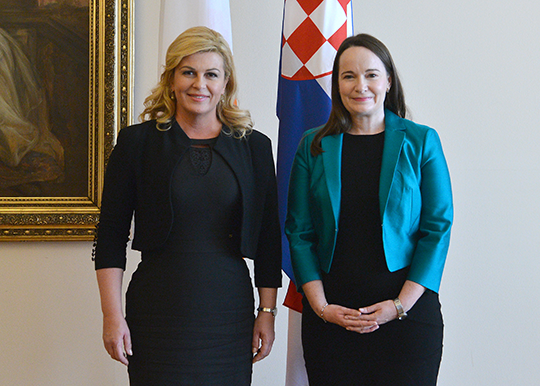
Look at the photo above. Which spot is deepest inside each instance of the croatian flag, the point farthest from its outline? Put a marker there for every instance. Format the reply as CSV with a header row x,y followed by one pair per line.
x,y
312,33
179,15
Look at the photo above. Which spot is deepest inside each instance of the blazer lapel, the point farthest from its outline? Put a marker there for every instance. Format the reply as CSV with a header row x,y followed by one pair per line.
x,y
161,155
331,156
237,155
393,142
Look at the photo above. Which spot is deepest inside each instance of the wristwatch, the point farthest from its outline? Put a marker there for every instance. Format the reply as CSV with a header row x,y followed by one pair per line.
x,y
399,307
272,311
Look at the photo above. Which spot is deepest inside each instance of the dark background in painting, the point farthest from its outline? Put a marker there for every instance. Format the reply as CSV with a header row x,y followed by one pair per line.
x,y
54,35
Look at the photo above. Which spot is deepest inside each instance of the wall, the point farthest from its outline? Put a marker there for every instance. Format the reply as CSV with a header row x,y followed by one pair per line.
x,y
470,70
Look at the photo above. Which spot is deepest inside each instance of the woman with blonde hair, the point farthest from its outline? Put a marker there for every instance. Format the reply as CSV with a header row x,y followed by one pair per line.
x,y
161,104
200,182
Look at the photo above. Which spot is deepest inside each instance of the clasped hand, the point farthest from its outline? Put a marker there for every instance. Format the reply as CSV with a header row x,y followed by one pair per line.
x,y
363,320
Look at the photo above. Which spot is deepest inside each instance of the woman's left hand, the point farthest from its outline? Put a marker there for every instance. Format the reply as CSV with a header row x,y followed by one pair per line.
x,y
263,336
380,313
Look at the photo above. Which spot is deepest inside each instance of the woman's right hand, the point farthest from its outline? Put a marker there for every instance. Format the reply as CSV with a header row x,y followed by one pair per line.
x,y
348,318
116,338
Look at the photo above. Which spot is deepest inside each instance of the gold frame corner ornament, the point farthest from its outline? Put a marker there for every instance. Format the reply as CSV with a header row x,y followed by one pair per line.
x,y
110,106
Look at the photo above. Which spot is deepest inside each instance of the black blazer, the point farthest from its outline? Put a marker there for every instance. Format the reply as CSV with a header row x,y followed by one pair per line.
x,y
139,177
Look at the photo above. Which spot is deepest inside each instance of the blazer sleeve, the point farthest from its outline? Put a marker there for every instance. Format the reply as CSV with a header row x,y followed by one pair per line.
x,y
299,225
436,216
118,203
267,264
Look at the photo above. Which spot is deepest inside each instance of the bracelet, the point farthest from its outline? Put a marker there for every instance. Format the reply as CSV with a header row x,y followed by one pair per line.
x,y
272,311
322,312
401,312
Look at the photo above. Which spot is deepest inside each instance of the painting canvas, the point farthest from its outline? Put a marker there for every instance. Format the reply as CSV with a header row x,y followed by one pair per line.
x,y
44,70
64,93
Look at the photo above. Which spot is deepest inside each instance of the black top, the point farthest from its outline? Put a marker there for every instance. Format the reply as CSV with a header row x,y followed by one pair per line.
x,y
359,260
209,200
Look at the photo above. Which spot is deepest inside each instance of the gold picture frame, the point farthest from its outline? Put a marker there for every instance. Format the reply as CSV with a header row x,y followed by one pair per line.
x,y
54,191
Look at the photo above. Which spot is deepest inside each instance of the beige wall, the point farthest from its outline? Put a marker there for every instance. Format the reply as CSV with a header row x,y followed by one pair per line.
x,y
470,69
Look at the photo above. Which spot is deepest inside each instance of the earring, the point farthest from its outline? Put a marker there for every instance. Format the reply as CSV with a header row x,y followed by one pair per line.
x,y
172,95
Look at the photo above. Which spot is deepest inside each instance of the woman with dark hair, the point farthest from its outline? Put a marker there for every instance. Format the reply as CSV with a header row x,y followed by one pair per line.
x,y
201,184
369,218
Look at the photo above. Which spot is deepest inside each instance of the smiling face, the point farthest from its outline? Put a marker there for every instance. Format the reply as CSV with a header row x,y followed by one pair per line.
x,y
198,83
363,83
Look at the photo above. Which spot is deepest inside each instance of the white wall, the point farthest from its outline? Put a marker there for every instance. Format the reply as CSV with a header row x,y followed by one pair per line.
x,y
470,70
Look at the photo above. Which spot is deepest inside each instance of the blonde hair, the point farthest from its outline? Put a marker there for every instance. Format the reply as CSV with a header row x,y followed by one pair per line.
x,y
160,106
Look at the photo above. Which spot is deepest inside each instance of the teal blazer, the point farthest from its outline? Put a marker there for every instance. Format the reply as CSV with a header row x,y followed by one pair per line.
x,y
415,199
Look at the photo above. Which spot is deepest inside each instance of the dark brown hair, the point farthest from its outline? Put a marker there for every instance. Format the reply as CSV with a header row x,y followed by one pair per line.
x,y
340,119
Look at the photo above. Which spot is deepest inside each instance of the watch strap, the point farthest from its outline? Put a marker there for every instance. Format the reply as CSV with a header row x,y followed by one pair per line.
x,y
272,311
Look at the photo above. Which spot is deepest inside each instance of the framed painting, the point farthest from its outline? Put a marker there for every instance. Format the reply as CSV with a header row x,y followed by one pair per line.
x,y
65,91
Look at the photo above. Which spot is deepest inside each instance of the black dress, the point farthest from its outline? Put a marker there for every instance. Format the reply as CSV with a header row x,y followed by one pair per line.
x,y
404,352
189,305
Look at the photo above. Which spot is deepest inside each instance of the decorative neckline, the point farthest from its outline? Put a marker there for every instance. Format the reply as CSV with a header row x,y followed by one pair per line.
x,y
201,156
